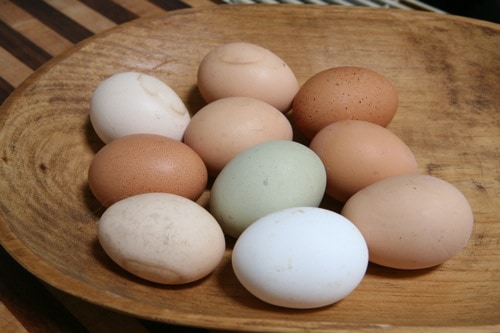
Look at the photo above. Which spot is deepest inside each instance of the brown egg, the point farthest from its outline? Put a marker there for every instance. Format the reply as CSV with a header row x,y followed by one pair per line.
x,y
226,127
358,153
411,221
143,163
341,93
246,69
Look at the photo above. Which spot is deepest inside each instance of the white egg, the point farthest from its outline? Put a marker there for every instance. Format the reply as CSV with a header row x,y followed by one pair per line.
x,y
162,237
131,103
303,257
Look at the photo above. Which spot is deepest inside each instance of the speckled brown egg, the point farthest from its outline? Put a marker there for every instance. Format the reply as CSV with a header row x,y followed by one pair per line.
x,y
341,93
143,163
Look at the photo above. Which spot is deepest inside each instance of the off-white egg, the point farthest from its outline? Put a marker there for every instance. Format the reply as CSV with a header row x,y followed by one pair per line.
x,y
131,103
162,237
302,257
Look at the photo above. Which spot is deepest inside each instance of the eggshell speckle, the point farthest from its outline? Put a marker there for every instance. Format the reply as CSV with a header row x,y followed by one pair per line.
x,y
226,127
341,93
162,237
358,153
411,221
130,103
141,163
301,257
249,70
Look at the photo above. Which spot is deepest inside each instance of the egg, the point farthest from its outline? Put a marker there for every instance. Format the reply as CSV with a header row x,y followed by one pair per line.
x,y
226,127
357,153
411,221
141,163
249,70
341,93
300,257
264,178
130,103
161,237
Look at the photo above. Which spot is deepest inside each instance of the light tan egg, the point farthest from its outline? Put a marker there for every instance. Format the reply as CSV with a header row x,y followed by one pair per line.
x,y
249,70
411,221
226,127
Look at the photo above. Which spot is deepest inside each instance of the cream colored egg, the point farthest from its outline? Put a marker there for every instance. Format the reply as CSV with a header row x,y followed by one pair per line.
x,y
161,237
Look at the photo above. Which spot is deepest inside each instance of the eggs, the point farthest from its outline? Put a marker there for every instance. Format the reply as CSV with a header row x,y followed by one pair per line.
x,y
267,189
141,163
249,70
301,257
162,237
226,127
411,221
340,93
357,153
267,177
130,103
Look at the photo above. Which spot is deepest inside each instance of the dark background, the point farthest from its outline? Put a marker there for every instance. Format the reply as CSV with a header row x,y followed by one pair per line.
x,y
488,10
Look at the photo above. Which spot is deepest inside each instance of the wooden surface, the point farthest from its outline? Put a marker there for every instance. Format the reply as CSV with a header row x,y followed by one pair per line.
x,y
446,70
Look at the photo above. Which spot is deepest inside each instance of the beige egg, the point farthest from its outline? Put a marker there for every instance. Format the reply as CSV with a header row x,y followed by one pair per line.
x,y
411,221
341,93
249,70
226,127
161,237
359,153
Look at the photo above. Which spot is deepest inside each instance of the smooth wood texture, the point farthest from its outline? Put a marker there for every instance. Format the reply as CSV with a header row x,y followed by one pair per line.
x,y
446,70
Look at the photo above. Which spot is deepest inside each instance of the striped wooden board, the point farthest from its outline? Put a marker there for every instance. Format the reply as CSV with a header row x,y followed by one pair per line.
x,y
32,32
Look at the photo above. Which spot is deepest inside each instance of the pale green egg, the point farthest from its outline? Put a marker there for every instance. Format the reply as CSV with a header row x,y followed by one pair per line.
x,y
265,178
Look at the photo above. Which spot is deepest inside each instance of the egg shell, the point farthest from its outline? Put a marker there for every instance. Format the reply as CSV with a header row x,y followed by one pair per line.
x,y
341,93
226,127
162,237
130,103
249,70
141,163
411,221
358,153
301,257
267,177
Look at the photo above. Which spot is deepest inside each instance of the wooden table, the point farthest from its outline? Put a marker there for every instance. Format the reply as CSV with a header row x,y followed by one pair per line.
x,y
31,33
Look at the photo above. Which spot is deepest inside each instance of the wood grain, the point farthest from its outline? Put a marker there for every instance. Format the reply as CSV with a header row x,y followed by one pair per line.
x,y
445,69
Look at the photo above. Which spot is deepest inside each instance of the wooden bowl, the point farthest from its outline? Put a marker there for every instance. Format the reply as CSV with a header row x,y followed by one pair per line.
x,y
446,70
